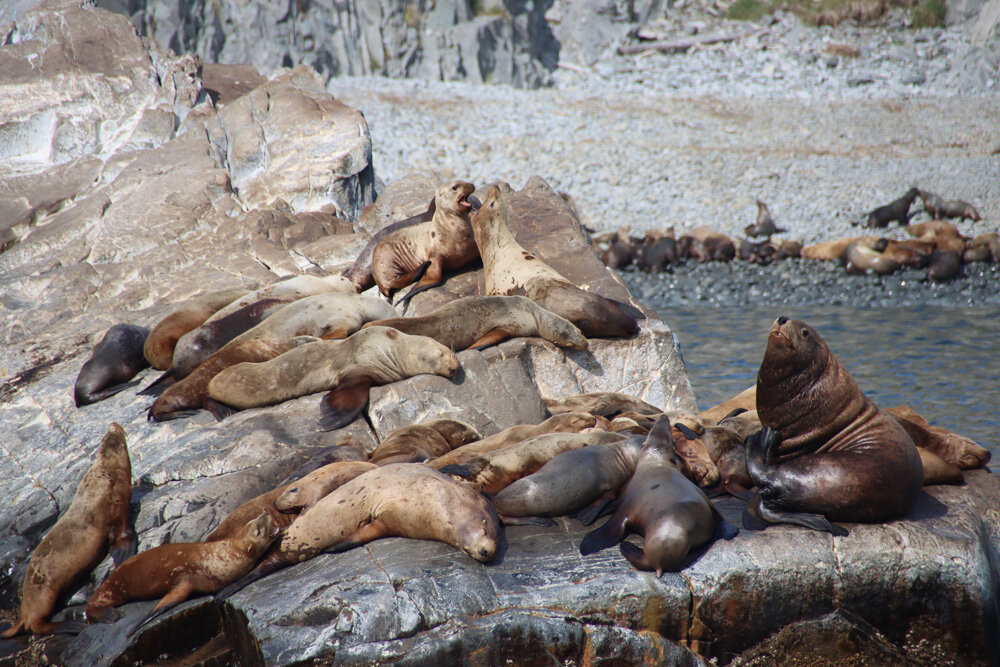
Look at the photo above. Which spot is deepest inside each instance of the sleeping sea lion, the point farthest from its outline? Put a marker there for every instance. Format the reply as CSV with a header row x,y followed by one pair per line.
x,y
115,361
325,316
420,442
600,403
826,452
944,235
865,257
707,245
511,270
833,250
97,519
191,314
745,400
303,493
289,290
480,321
954,448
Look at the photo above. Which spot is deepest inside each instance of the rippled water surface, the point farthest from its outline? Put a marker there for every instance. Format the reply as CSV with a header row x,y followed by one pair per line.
x,y
942,362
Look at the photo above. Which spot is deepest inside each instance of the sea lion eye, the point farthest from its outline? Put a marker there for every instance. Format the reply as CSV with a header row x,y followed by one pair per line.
x,y
805,333
454,187
295,490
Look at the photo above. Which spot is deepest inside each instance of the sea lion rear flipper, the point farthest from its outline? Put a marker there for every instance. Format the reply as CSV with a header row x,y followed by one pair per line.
x,y
751,517
725,530
806,520
68,626
344,403
13,630
491,337
605,504
429,276
628,309
157,386
608,535
363,535
178,414
219,410
457,470
179,593
525,520
107,392
637,557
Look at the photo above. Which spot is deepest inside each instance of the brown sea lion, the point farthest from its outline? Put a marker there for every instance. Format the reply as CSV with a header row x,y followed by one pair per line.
x,y
944,235
744,423
725,448
288,290
580,480
745,400
944,265
477,322
115,361
346,368
569,422
620,252
937,207
183,398
303,493
658,250
833,250
191,314
626,425
826,452
427,250
325,316
898,210
511,270
953,448
420,442
692,453
360,273
674,516
97,519
909,252
765,223
496,470
236,521
602,403
862,257
789,248
937,470
172,572
983,248
707,245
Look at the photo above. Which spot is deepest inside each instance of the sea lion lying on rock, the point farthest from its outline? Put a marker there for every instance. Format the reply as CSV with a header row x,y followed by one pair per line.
x,y
360,273
826,452
834,250
189,315
115,360
420,442
898,210
303,493
602,404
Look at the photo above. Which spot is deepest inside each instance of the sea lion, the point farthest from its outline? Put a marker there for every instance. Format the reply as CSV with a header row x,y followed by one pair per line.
x,y
569,422
745,400
789,248
115,361
909,252
743,423
325,316
191,314
944,235
476,322
725,448
944,265
953,448
626,425
360,273
690,450
601,403
765,223
173,572
182,398
420,442
705,244
862,257
898,210
236,521
937,207
511,270
674,516
97,521
658,251
427,250
620,252
580,480
303,493
937,470
826,452
347,368
288,290
833,250
983,248
494,471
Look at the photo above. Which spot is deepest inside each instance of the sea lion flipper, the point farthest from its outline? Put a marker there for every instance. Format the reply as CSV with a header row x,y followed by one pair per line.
x,y
219,410
431,277
806,520
108,392
525,520
608,535
159,385
604,505
457,470
345,402
637,557
725,530
491,337
179,593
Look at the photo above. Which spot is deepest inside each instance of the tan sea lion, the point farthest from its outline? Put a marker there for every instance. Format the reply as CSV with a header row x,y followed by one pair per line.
x,y
303,493
725,448
172,572
898,210
115,361
511,270
674,516
944,235
833,250
569,422
420,442
183,398
496,470
97,520
626,425
580,480
477,322
864,257
347,368
427,250
826,452
745,400
288,290
601,403
937,470
744,423
954,448
189,315
325,316
692,453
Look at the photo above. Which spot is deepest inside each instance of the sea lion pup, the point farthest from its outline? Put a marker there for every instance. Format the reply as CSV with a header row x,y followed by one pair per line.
x,y
745,400
694,456
584,481
658,250
937,207
184,397
190,314
620,252
303,493
115,361
862,257
833,250
398,500
427,250
420,442
476,322
570,422
765,223
944,235
511,270
347,368
826,452
706,244
898,210
494,471
600,403
97,521
954,448
172,572
325,316
360,273
664,506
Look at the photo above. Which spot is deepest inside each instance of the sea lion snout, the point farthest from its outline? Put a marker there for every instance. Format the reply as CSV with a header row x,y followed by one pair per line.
x,y
782,320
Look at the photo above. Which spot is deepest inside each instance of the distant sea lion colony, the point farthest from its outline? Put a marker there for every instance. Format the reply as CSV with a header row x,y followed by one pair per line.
x,y
804,446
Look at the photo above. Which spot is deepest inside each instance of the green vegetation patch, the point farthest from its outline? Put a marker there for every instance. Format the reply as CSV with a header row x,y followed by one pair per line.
x,y
923,13
928,14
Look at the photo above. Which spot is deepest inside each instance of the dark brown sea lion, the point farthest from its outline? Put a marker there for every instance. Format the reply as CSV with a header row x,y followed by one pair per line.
x,y
570,422
421,442
707,245
765,223
191,314
937,207
658,251
427,250
480,321
984,248
659,502
620,252
826,452
360,273
172,572
898,210
944,265
115,361
602,403
511,270
97,519
725,447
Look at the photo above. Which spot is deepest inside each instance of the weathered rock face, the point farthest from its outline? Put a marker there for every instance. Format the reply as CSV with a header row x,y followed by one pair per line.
x,y
444,40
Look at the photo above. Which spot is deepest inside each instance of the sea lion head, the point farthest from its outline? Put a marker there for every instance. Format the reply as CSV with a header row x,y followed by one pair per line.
x,y
477,529
258,534
793,347
113,448
454,197
430,356
456,433
571,422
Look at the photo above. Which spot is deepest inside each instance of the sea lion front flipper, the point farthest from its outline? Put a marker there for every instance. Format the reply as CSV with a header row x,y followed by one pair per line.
x,y
525,520
179,593
107,392
363,535
806,520
176,414
608,535
124,545
157,386
344,403
457,470
491,337
604,504
432,277
219,410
